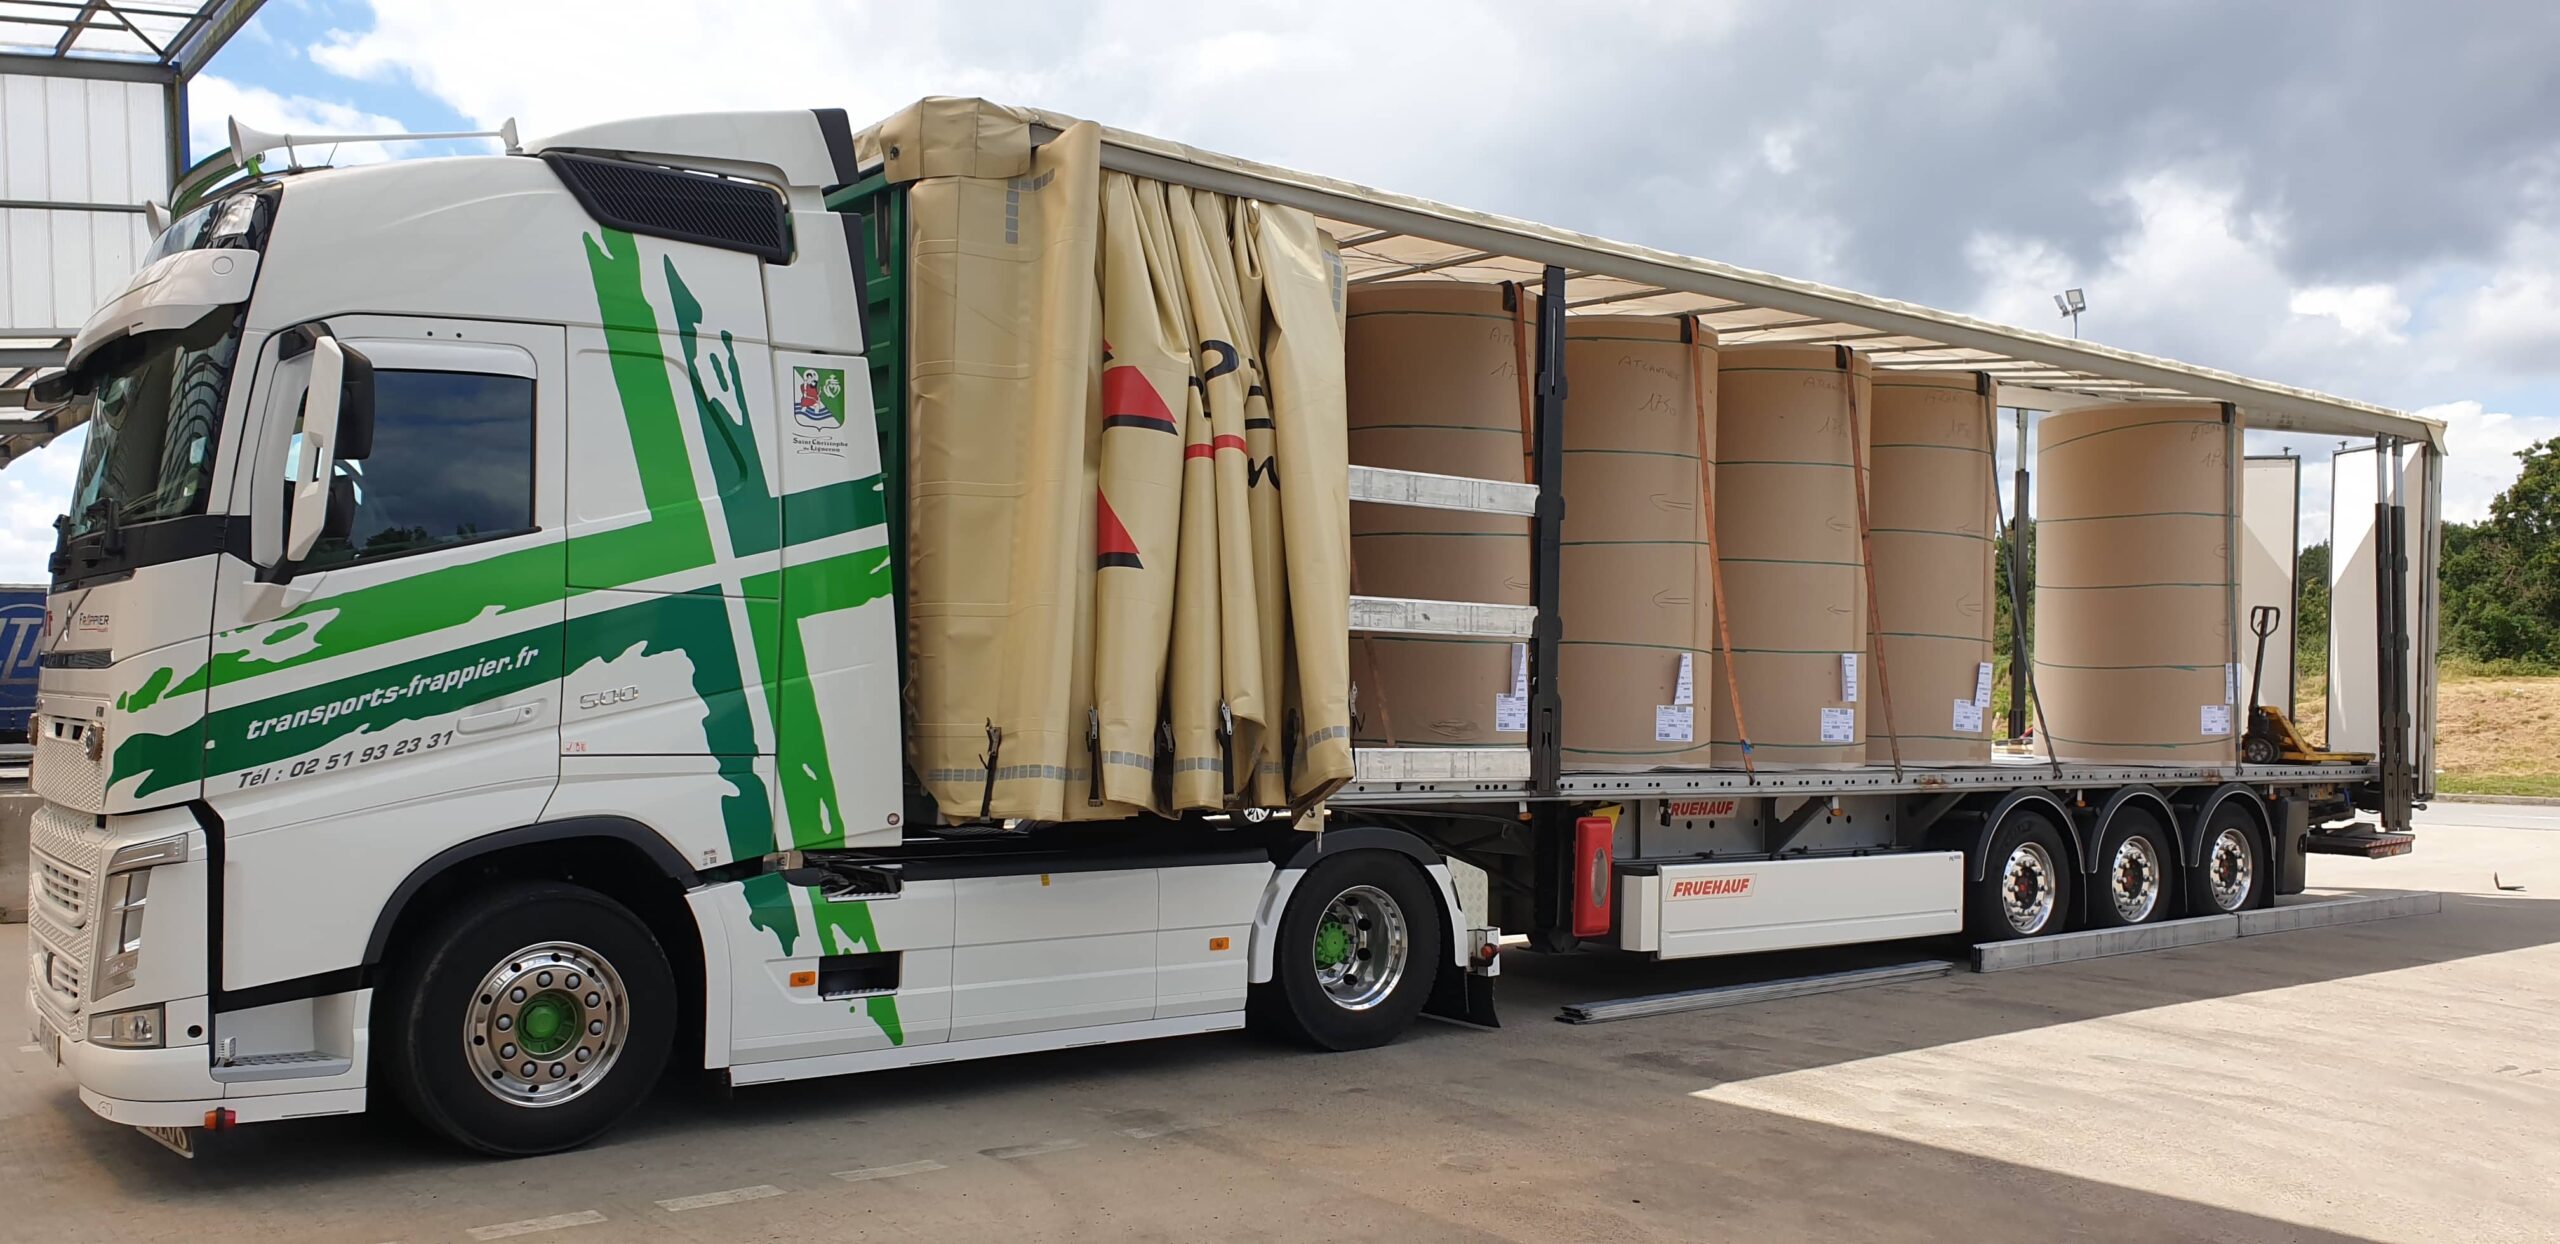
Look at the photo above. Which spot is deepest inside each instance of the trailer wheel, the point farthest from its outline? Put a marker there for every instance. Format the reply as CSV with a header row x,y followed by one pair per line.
x,y
528,1020
2025,887
2136,870
1359,946
2229,872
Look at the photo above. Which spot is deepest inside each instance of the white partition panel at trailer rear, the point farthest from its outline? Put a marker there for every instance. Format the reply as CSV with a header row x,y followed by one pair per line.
x,y
2355,638
2270,533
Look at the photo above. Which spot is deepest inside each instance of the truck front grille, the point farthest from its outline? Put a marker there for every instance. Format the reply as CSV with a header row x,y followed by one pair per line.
x,y
66,848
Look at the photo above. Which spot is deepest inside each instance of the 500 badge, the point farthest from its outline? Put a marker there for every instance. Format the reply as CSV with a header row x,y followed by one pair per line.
x,y
349,758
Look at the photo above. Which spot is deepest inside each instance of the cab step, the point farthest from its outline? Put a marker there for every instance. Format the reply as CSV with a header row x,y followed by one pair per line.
x,y
2363,840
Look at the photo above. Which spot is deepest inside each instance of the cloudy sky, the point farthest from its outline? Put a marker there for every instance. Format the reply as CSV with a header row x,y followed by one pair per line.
x,y
2355,196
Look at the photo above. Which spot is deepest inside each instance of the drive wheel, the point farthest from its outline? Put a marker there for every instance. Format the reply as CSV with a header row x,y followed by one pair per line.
x,y
528,1020
1359,946
2230,870
2135,865
2025,888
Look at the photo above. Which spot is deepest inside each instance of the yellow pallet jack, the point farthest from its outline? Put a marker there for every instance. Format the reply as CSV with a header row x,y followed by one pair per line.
x,y
2271,739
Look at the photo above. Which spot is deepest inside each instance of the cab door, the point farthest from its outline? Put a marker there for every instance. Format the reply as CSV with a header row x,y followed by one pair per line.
x,y
398,690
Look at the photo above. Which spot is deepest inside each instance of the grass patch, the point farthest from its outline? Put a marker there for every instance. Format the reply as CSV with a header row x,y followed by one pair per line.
x,y
2544,785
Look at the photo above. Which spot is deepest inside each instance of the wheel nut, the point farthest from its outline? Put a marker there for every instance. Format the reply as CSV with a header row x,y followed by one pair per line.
x,y
582,1053
543,980
572,982
506,1022
516,994
506,1051
594,1001
528,1071
595,1028
558,1070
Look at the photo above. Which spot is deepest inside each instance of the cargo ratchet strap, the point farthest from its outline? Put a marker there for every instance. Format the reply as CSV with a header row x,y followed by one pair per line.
x,y
1867,555
1515,296
1694,329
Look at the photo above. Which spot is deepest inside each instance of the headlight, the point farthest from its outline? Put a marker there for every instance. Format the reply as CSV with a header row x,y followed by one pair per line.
x,y
127,892
137,1029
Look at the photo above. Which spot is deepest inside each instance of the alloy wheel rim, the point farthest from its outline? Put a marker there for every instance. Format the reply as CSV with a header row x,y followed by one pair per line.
x,y
2133,879
546,1024
1361,944
2026,888
2230,868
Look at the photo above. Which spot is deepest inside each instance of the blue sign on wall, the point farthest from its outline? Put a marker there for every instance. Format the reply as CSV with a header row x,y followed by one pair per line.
x,y
21,653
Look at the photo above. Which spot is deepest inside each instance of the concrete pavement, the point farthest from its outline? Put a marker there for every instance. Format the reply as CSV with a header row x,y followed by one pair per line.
x,y
2391,1081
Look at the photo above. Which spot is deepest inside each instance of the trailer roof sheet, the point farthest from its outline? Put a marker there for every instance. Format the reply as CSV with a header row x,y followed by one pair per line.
x,y
1387,237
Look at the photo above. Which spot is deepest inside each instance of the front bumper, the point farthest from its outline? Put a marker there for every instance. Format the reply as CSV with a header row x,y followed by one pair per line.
x,y
176,1087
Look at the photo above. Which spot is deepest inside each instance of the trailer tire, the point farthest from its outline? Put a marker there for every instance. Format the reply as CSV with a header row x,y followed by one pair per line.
x,y
2229,872
1359,946
2028,863
568,972
2137,872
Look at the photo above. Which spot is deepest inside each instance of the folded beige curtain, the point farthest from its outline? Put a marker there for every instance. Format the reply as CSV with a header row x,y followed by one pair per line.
x,y
1128,549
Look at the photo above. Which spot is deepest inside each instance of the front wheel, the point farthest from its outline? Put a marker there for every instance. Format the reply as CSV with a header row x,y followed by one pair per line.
x,y
529,1019
1359,945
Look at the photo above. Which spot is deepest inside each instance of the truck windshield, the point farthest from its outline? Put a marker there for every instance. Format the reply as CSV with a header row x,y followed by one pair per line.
x,y
155,404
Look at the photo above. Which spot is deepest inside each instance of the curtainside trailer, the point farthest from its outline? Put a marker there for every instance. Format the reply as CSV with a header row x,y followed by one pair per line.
x,y
742,592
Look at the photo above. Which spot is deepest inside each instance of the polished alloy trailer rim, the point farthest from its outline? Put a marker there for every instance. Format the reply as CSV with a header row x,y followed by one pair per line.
x,y
546,1024
2026,887
2229,868
1360,947
2133,879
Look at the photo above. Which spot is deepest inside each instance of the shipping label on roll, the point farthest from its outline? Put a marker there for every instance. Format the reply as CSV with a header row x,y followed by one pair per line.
x,y
1839,725
1968,717
1685,689
2213,720
1849,677
1674,723
1982,685
1511,712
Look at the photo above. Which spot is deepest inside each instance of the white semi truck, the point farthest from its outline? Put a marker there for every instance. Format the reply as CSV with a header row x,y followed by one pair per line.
x,y
433,711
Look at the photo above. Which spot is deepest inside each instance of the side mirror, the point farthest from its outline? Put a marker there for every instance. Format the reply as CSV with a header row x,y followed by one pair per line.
x,y
323,402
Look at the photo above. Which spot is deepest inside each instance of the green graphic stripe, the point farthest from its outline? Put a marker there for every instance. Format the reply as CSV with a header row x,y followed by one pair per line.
x,y
758,521
359,705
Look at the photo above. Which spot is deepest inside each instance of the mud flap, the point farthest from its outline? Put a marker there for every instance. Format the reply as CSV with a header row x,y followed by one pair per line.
x,y
1463,997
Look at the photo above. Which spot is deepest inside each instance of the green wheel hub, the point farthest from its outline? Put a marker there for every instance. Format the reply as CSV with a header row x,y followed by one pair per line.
x,y
547,1022
1333,943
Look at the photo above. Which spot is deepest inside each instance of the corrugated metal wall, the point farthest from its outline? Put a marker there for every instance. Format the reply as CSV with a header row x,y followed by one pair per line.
x,y
69,141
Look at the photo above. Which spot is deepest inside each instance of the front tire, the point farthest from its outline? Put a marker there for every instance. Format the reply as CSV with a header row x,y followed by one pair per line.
x,y
2136,865
528,1019
2025,887
1359,945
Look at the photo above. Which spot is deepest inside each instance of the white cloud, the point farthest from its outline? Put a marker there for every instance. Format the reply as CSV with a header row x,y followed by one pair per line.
x,y
2482,449
33,491
213,101
2363,310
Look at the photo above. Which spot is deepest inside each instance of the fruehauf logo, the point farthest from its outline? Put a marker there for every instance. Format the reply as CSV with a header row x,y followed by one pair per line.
x,y
817,396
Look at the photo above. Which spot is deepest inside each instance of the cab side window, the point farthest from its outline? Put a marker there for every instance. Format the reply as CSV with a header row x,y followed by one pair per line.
x,y
452,463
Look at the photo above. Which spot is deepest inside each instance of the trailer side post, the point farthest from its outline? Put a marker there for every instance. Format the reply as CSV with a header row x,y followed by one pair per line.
x,y
1550,820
